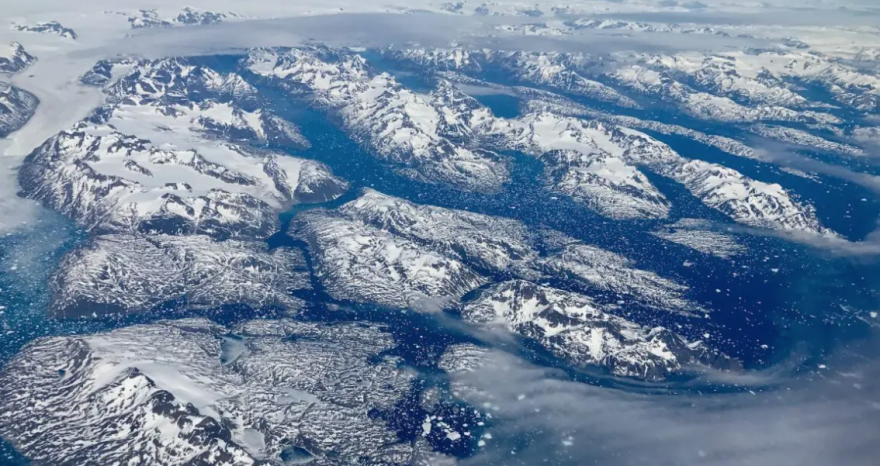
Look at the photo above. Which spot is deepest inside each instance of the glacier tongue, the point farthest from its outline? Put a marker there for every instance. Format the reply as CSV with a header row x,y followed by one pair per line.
x,y
158,394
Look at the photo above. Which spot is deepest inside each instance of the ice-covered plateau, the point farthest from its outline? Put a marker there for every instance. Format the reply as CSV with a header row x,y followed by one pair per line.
x,y
191,392
572,327
398,126
159,157
124,273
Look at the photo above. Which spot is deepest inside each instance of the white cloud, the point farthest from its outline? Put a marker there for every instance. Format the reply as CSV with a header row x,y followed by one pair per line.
x,y
818,420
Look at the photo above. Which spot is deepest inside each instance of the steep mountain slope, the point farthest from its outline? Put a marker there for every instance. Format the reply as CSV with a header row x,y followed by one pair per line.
x,y
17,106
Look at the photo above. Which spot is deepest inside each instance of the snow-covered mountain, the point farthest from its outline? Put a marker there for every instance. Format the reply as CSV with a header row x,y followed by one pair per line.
x,y
597,163
542,69
387,251
191,16
362,263
109,181
590,162
158,157
572,327
191,392
17,106
751,202
805,139
188,16
577,192
771,76
748,86
396,125
48,27
169,81
604,273
707,106
636,26
14,58
494,244
130,273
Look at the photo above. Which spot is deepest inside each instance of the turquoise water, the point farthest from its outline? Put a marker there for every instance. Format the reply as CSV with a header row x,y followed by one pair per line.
x,y
27,258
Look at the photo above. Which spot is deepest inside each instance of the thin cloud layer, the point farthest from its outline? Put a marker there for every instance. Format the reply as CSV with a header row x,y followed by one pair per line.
x,y
818,421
